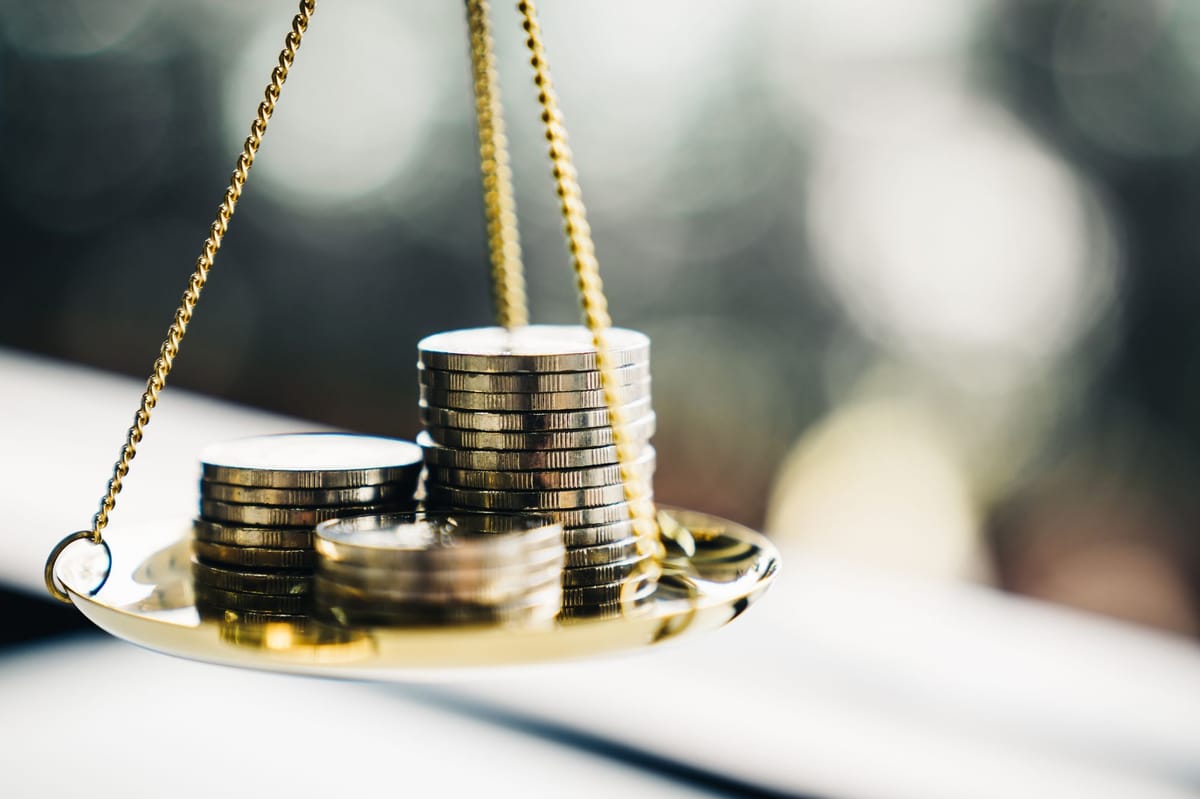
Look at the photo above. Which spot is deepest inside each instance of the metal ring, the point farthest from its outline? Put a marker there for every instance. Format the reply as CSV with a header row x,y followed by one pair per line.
x,y
52,584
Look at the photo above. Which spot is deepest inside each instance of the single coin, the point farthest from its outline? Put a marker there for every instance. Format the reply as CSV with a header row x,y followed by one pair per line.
x,y
528,382
630,590
311,460
548,480
254,557
274,516
534,610
597,534
602,574
499,592
246,618
535,348
535,403
263,537
525,422
439,541
471,576
514,460
249,582
604,610
576,517
602,554
638,431
312,497
259,603
525,500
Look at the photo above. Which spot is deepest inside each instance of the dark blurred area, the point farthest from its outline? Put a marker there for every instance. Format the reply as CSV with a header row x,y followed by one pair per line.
x,y
920,276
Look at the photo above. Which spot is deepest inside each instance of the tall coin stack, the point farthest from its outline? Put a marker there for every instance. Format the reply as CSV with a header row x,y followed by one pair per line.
x,y
515,421
260,499
433,569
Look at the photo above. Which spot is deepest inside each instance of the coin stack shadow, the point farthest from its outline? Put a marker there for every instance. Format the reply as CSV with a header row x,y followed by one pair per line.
x,y
260,499
517,422
430,570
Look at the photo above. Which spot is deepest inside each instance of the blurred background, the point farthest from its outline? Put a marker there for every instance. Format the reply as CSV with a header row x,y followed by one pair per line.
x,y
920,275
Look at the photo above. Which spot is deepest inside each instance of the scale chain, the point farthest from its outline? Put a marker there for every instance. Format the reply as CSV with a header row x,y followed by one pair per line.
x,y
504,245
587,273
183,315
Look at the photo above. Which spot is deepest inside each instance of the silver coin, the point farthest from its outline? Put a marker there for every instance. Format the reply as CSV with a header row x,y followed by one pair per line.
x,y
261,537
464,541
525,500
501,402
535,348
534,609
602,574
605,610
259,603
596,534
528,382
602,554
549,480
248,582
514,460
638,431
275,516
498,591
631,590
310,460
253,557
235,619
518,422
576,517
534,569
398,493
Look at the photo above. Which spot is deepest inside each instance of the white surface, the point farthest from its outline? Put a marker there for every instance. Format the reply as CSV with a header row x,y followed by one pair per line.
x,y
842,681
134,724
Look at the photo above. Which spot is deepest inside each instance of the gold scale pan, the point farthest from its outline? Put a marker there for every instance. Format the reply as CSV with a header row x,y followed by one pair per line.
x,y
710,570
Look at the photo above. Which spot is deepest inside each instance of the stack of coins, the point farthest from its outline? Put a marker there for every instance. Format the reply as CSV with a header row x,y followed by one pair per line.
x,y
515,421
433,569
260,499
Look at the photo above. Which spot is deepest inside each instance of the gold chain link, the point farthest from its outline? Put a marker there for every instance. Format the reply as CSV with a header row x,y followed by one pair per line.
x,y
504,246
183,315
587,273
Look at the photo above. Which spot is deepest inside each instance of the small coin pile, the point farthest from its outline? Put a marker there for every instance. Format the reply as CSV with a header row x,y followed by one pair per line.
x,y
439,569
260,499
515,421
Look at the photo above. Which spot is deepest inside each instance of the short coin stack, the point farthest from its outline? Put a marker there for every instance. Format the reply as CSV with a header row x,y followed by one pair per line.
x,y
439,569
515,421
260,499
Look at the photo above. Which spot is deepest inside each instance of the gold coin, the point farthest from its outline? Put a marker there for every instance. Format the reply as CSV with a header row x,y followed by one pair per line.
x,y
311,460
391,493
528,382
248,582
514,461
262,537
601,554
637,430
546,480
257,603
518,422
533,348
433,541
273,516
525,500
598,534
631,590
538,403
602,574
575,517
254,556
